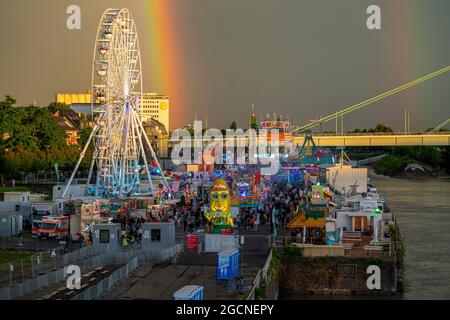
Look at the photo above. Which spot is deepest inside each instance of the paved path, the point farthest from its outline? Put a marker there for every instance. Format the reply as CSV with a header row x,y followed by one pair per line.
x,y
160,282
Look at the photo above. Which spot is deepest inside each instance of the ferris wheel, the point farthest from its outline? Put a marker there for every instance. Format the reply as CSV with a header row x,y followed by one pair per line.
x,y
119,156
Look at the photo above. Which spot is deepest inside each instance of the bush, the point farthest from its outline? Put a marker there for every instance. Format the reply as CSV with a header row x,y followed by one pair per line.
x,y
292,252
390,165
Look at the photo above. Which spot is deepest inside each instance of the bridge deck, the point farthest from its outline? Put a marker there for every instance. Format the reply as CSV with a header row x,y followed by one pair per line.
x,y
349,140
378,140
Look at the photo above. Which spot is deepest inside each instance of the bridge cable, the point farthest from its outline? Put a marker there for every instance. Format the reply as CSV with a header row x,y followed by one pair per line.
x,y
370,101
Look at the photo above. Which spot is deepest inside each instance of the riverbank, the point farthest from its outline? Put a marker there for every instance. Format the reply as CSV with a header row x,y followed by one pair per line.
x,y
422,211
337,276
410,175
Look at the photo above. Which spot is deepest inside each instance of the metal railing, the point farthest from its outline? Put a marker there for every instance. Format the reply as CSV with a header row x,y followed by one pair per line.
x,y
362,134
50,278
265,269
30,265
86,258
96,290
135,262
262,275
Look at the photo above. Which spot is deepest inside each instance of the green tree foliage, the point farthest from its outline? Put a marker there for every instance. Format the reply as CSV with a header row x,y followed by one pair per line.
x,y
425,154
52,107
390,165
445,158
31,141
380,128
233,125
428,155
84,136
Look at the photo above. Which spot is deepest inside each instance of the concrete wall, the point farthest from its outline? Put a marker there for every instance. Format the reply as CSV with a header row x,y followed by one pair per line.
x,y
310,250
335,276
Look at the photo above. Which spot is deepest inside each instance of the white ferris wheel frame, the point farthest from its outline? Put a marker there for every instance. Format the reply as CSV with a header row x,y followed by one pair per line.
x,y
118,131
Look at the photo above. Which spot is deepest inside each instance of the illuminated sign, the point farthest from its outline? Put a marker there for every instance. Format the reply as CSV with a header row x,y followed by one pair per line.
x,y
284,125
163,105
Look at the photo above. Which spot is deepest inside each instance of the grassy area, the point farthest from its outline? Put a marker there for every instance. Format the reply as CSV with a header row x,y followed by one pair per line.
x,y
10,188
11,255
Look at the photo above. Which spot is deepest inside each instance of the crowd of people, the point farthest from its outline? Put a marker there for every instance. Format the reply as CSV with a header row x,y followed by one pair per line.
x,y
277,208
131,230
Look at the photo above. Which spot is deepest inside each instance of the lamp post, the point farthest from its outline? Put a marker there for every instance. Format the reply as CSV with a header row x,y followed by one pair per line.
x,y
242,247
375,216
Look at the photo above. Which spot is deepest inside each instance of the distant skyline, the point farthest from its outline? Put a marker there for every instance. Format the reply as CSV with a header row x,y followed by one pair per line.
x,y
216,58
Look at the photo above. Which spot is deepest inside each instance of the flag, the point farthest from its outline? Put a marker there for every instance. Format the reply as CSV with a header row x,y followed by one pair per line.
x,y
56,171
274,212
11,268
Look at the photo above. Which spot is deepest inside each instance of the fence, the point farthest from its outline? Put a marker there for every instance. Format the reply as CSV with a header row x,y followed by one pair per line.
x,y
30,285
30,265
87,258
265,269
97,289
154,253
142,257
50,177
262,275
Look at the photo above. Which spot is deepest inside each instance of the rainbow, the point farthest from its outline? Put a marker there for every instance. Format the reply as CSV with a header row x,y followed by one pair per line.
x,y
163,52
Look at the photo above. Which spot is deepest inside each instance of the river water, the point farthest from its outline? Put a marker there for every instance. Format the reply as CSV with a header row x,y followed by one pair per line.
x,y
422,209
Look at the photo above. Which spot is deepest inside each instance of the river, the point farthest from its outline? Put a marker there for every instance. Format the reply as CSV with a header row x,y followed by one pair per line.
x,y
422,209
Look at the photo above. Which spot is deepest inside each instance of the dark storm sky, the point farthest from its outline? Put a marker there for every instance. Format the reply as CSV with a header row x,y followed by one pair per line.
x,y
302,58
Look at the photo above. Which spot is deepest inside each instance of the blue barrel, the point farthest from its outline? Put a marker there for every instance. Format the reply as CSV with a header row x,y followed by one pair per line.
x,y
189,293
227,264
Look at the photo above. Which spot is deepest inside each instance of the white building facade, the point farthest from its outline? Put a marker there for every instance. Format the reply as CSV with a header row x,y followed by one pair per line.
x,y
155,106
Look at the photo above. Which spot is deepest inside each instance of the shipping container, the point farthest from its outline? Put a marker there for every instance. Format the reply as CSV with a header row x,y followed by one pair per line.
x,y
227,264
191,292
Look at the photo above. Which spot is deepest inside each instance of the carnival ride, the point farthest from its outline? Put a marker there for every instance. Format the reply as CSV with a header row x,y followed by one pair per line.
x,y
119,139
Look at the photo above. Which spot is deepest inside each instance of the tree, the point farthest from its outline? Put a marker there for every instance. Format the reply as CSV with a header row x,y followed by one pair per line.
x,y
30,140
7,103
445,158
54,106
381,128
84,136
389,165
233,125
48,132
